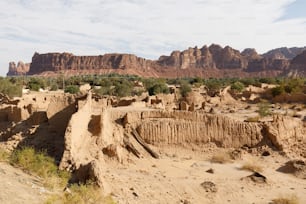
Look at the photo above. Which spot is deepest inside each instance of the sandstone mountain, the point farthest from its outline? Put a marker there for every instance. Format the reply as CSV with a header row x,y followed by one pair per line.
x,y
298,65
284,52
20,69
212,61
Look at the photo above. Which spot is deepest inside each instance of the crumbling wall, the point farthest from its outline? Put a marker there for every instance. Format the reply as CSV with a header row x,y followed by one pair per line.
x,y
286,133
77,139
180,127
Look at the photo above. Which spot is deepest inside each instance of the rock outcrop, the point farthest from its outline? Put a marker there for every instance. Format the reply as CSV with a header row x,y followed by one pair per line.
x,y
298,65
19,70
212,61
57,62
284,53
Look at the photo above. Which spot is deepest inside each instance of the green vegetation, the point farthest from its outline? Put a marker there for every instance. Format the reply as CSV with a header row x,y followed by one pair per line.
x,y
73,89
237,86
185,88
40,164
12,88
264,109
81,194
4,155
296,85
36,83
156,86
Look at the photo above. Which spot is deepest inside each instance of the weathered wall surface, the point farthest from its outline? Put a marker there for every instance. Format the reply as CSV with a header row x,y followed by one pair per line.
x,y
77,140
179,127
287,133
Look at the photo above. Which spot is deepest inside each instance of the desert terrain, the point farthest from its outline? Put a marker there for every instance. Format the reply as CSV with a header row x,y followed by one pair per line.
x,y
163,148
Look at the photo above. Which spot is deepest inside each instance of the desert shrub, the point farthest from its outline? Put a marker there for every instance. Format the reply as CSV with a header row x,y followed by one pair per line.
x,y
267,80
277,91
36,83
252,166
213,86
290,199
40,164
4,155
221,157
185,88
123,88
73,89
54,87
252,119
264,109
81,194
9,88
237,86
158,88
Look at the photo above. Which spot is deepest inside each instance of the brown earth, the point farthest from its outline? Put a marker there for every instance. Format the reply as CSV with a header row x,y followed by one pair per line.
x,y
152,151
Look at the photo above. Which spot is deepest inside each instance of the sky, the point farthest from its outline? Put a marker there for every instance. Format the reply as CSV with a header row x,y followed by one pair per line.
x,y
146,28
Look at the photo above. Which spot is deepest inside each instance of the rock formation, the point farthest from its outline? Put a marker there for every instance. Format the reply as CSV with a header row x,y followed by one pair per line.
x,y
212,61
20,69
284,53
298,65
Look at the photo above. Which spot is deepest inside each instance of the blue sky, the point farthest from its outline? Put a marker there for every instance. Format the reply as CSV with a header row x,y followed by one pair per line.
x,y
144,27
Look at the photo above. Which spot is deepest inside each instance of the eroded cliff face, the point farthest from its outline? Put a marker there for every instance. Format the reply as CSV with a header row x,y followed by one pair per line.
x,y
298,65
212,61
56,62
21,69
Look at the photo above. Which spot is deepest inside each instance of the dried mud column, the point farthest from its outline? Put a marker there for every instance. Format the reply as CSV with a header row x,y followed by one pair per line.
x,y
82,155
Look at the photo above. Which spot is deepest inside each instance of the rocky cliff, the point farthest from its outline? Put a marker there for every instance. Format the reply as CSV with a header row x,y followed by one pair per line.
x,y
284,53
20,69
298,65
212,61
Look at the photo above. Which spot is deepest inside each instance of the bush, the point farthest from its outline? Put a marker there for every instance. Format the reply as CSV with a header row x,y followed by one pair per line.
x,y
73,89
291,199
213,86
40,164
10,89
123,89
252,166
54,87
237,86
264,109
221,157
36,83
276,91
158,87
185,88
4,155
81,194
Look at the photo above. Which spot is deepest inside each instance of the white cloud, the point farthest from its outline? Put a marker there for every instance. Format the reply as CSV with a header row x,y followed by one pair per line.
x,y
143,27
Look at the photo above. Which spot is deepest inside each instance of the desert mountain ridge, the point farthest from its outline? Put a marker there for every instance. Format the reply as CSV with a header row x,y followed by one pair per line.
x,y
208,61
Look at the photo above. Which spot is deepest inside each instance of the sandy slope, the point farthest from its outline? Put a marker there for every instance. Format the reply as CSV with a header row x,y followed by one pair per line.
x,y
17,187
176,178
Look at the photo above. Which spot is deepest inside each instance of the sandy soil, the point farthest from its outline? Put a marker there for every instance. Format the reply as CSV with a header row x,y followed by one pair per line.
x,y
18,187
177,178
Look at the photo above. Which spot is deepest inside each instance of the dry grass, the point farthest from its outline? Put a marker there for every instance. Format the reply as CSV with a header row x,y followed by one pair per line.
x,y
252,119
38,163
292,199
221,158
4,155
81,194
252,166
